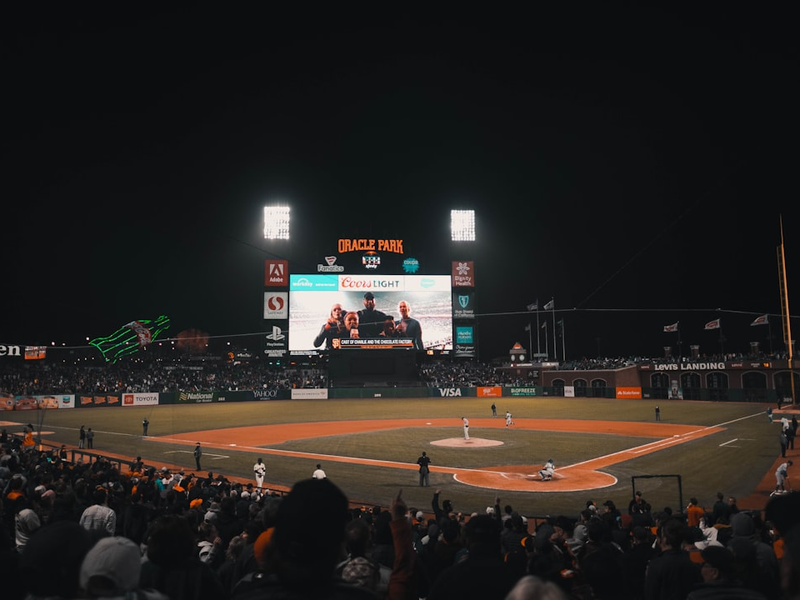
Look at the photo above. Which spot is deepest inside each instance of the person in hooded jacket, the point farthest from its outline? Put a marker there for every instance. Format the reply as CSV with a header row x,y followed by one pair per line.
x,y
755,560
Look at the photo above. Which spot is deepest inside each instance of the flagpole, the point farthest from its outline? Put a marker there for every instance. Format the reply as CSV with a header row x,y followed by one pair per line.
x,y
538,331
787,328
553,310
530,338
563,343
534,306
546,347
769,333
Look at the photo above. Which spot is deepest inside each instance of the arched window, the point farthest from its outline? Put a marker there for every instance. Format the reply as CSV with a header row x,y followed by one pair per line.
x,y
690,382
599,388
754,384
659,385
717,384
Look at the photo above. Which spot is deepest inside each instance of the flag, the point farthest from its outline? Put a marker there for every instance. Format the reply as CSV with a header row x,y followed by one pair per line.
x,y
534,306
544,325
715,324
528,327
671,328
762,320
550,305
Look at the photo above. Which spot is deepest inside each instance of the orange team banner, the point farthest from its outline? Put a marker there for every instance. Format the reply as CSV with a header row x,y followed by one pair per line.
x,y
629,392
494,391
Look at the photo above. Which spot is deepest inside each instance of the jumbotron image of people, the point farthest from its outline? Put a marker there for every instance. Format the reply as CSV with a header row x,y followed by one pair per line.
x,y
317,318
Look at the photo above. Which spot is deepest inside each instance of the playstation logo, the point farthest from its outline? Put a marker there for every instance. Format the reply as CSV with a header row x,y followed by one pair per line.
x,y
276,335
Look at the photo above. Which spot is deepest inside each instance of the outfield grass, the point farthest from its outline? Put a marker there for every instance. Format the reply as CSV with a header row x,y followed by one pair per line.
x,y
733,462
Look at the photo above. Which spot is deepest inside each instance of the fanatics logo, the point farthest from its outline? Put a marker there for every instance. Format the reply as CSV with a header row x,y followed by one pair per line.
x,y
330,266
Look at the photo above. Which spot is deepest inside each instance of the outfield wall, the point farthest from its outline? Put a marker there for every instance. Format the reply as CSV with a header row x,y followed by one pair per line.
x,y
68,401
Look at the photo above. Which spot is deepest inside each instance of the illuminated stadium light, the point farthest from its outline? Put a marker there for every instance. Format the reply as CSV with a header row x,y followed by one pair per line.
x,y
276,222
462,225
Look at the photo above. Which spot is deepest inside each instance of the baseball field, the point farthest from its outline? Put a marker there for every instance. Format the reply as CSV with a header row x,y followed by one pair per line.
x,y
369,447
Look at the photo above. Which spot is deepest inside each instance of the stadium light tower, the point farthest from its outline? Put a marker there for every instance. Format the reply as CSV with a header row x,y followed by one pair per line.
x,y
462,225
276,222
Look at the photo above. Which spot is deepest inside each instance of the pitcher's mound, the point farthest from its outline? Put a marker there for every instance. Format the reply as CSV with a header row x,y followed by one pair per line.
x,y
470,443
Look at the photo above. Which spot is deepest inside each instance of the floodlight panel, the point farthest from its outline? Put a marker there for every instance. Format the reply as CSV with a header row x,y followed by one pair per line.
x,y
462,225
276,222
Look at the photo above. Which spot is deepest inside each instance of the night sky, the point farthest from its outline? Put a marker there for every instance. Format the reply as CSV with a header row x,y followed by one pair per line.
x,y
632,165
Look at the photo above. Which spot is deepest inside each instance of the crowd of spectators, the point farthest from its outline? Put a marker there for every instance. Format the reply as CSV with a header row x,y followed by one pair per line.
x,y
75,530
34,378
164,374
152,376
594,364
467,374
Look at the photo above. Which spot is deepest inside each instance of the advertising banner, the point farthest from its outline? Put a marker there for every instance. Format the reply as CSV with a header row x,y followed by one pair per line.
x,y
494,391
86,401
276,341
196,397
452,392
465,341
271,394
463,273
373,343
522,391
629,392
310,394
464,305
9,402
276,305
149,399
276,273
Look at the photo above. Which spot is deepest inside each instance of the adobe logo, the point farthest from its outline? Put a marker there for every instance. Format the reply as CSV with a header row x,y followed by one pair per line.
x,y
276,273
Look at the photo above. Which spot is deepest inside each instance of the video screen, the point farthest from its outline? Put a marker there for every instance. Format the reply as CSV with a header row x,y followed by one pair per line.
x,y
411,312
